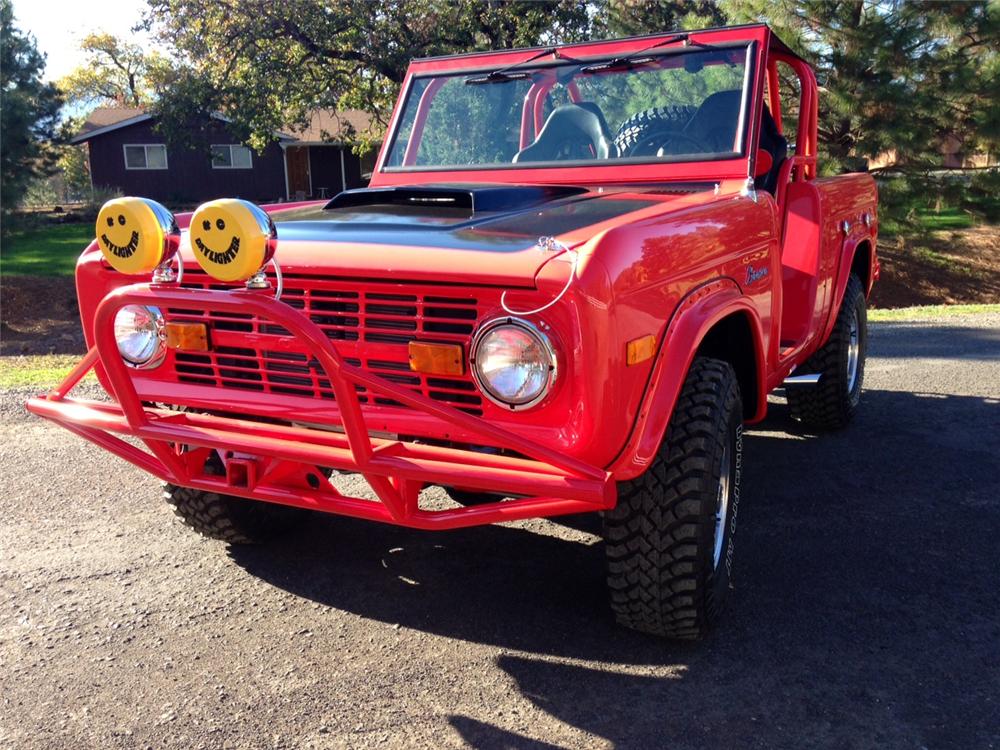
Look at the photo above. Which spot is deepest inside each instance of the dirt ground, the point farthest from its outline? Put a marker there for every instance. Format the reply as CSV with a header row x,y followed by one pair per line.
x,y
946,268
865,611
39,315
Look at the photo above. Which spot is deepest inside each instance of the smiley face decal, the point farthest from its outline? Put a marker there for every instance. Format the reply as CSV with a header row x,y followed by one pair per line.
x,y
231,239
120,251
214,256
135,234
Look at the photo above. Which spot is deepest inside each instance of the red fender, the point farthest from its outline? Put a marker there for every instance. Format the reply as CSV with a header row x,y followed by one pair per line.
x,y
701,309
857,237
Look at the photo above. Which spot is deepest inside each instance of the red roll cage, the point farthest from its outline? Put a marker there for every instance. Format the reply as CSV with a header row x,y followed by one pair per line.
x,y
767,52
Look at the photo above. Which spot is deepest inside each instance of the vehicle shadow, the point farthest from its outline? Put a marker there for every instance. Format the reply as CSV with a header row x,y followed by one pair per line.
x,y
865,610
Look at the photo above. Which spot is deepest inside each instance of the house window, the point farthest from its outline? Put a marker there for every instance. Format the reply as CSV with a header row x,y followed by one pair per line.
x,y
228,156
145,156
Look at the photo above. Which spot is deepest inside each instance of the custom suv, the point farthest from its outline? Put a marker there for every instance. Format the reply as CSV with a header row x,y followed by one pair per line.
x,y
577,273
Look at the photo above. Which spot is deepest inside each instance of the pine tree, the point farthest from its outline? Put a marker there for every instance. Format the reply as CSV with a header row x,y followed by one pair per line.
x,y
29,111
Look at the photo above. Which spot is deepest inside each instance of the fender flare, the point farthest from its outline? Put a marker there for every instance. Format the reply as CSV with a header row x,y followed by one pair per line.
x,y
847,254
691,320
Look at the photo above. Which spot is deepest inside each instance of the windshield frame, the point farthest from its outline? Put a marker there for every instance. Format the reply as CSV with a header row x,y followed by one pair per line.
x,y
730,165
580,63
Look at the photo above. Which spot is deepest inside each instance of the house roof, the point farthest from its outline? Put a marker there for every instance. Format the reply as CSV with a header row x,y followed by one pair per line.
x,y
325,125
105,119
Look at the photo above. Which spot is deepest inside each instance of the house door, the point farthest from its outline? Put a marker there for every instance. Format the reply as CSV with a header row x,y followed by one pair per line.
x,y
299,179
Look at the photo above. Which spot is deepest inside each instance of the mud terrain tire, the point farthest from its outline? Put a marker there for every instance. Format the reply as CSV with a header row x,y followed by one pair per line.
x,y
643,124
230,519
669,541
833,401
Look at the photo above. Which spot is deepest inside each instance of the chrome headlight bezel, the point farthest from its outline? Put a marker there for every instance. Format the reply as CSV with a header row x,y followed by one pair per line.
x,y
157,348
550,359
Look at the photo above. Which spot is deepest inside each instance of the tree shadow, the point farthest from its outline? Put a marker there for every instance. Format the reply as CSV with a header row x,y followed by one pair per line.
x,y
865,609
916,340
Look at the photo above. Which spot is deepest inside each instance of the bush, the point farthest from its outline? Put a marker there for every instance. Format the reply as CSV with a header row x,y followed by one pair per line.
x,y
98,197
911,204
983,195
900,200
39,193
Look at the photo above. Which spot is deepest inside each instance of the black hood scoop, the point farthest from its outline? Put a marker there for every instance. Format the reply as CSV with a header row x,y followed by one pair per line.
x,y
454,200
471,217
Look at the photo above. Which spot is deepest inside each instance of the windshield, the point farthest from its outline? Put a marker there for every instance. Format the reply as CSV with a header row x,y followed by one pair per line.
x,y
648,107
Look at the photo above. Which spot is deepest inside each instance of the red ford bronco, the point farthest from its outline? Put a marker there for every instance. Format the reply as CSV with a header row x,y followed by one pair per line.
x,y
577,273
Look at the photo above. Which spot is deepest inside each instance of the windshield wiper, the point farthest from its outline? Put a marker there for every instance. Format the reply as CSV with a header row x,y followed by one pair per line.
x,y
502,75
635,59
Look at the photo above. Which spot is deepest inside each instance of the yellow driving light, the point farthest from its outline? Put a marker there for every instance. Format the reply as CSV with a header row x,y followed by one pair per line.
x,y
136,234
231,239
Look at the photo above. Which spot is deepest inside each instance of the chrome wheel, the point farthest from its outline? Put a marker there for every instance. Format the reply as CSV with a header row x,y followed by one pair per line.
x,y
721,507
853,348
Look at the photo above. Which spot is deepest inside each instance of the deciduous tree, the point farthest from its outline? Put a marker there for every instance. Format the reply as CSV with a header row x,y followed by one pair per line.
x,y
267,65
114,73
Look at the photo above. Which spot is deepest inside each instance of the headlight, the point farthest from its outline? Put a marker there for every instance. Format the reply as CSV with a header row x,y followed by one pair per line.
x,y
513,363
139,333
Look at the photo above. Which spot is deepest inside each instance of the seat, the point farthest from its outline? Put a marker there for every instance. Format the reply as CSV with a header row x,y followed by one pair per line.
x,y
715,122
775,144
572,131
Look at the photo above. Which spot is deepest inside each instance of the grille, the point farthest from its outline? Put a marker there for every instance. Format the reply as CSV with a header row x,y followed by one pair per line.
x,y
369,323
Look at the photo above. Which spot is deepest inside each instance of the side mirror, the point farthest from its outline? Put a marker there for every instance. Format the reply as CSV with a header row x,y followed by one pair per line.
x,y
763,163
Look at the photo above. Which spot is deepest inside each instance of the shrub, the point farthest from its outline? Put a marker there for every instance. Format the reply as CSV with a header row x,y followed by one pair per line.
x,y
98,197
982,197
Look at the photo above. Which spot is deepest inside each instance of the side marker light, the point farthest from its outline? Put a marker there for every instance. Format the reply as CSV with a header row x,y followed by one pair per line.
x,y
640,349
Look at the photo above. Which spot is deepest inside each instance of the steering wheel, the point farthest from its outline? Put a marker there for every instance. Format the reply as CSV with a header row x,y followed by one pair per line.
x,y
657,143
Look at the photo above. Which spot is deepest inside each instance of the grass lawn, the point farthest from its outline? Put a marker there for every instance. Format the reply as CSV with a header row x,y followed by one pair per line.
x,y
46,251
40,371
929,220
928,311
947,218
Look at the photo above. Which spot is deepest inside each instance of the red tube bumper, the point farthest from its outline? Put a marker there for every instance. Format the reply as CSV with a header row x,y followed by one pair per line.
x,y
284,464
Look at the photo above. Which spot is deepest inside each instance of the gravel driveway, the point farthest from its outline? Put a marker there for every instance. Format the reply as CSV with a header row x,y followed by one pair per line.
x,y
866,611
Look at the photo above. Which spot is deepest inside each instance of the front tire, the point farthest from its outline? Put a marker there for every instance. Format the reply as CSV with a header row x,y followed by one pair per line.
x,y
231,519
840,363
669,541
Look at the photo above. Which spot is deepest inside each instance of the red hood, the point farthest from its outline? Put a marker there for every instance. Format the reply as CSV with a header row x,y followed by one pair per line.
x,y
497,246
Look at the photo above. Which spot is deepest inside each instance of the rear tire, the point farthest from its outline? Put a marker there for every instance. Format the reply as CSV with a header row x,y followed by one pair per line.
x,y
669,541
840,363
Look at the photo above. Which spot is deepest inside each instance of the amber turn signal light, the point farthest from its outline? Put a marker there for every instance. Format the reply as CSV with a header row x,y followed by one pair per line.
x,y
191,337
640,349
436,359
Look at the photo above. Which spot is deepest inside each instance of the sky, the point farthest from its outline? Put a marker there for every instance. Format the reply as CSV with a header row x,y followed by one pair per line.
x,y
58,26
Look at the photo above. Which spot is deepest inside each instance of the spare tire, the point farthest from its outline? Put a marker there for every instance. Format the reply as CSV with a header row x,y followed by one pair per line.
x,y
642,124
